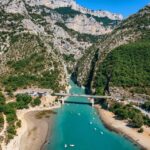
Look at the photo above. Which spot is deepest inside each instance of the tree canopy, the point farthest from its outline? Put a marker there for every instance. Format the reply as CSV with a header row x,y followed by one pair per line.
x,y
125,66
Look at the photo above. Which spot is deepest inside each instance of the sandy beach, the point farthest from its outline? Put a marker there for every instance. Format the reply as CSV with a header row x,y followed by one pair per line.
x,y
141,139
34,129
37,131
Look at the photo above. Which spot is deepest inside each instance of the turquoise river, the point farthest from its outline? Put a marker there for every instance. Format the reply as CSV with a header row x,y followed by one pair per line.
x,y
78,127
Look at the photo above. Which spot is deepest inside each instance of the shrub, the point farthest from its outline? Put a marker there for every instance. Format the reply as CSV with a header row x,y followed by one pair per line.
x,y
135,117
10,108
11,129
137,121
11,118
9,137
36,102
23,100
141,130
122,113
1,119
18,123
2,99
24,97
146,105
146,120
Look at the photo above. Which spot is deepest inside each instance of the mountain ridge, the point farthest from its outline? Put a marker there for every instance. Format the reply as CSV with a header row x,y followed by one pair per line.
x,y
132,29
82,20
72,3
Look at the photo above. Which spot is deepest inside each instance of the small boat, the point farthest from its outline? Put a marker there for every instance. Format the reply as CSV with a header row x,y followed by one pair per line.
x,y
91,122
79,114
95,129
65,146
72,145
102,133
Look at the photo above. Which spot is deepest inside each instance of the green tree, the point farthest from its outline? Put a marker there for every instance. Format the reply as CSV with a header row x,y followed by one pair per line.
x,y
1,108
18,123
146,105
11,129
146,120
23,100
1,119
11,118
141,130
2,99
24,97
36,102
124,68
122,113
137,121
9,109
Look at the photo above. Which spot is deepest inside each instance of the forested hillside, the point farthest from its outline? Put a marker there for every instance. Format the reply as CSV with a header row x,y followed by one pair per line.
x,y
126,66
122,57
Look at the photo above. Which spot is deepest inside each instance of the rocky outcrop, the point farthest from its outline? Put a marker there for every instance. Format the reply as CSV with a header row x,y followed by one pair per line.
x,y
14,6
34,22
72,3
85,21
83,24
31,27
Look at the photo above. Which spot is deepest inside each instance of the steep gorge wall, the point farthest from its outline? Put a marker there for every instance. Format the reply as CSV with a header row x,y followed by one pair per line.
x,y
130,30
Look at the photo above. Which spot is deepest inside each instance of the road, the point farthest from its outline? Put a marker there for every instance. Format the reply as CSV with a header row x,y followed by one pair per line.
x,y
81,95
142,110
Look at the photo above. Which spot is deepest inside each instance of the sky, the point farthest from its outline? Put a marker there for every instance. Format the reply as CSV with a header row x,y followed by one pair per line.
x,y
124,7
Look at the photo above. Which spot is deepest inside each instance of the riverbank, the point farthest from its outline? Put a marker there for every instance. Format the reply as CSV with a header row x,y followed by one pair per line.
x,y
34,129
38,129
141,139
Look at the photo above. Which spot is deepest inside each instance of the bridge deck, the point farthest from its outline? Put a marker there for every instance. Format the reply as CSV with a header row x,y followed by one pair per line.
x,y
81,95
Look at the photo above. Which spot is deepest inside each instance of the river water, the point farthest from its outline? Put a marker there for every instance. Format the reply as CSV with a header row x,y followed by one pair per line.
x,y
79,125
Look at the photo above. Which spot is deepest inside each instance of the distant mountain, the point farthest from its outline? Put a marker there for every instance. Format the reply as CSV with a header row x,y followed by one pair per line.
x,y
76,17
72,4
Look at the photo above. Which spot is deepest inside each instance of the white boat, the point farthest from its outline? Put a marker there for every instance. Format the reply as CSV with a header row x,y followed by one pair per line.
x,y
95,129
102,133
91,123
72,145
65,146
79,114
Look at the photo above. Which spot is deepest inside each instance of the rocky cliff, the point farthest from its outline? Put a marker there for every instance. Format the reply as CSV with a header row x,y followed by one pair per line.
x,y
41,30
72,3
78,18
